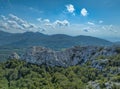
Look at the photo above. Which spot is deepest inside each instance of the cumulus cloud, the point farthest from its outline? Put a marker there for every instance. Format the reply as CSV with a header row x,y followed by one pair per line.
x,y
84,12
61,23
70,8
91,23
46,20
24,24
4,25
16,24
43,20
15,18
58,23
111,28
3,17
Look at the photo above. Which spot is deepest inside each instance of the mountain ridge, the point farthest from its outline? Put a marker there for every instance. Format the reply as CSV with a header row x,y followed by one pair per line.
x,y
57,40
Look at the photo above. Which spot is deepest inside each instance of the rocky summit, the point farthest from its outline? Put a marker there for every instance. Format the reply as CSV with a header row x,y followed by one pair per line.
x,y
76,55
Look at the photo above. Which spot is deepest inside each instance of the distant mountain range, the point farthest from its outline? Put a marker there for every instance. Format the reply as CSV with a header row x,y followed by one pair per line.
x,y
57,41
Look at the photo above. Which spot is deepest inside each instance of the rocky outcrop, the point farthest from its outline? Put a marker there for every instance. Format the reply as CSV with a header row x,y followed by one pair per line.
x,y
96,85
14,56
73,56
41,55
99,64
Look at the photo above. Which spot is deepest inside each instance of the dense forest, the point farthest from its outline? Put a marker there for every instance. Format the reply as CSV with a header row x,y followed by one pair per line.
x,y
17,74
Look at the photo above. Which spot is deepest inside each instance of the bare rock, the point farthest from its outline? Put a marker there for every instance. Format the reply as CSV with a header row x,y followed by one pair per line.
x,y
73,56
14,56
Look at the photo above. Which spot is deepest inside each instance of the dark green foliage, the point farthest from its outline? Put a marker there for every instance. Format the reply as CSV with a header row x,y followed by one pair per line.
x,y
118,49
115,61
116,86
116,78
17,74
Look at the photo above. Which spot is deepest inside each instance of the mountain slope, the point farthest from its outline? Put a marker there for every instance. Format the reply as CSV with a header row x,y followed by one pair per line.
x,y
57,41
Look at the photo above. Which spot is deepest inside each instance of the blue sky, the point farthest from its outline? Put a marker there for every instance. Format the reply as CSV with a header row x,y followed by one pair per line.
x,y
99,18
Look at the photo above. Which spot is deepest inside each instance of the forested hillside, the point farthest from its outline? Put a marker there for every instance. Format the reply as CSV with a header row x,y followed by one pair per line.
x,y
17,74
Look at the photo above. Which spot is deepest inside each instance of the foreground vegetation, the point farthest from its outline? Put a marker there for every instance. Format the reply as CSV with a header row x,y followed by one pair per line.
x,y
17,74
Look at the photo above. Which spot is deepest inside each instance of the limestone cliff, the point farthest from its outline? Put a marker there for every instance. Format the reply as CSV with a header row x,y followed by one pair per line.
x,y
73,56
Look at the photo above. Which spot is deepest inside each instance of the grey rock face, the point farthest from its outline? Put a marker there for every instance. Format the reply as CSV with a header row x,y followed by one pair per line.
x,y
96,84
72,56
14,56
100,64
40,55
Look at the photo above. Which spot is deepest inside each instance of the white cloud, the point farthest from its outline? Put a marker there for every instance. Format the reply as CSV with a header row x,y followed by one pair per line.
x,y
70,8
39,19
111,28
43,20
4,25
84,12
13,23
46,20
61,23
100,21
48,23
15,18
91,23
49,27
3,17
21,22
